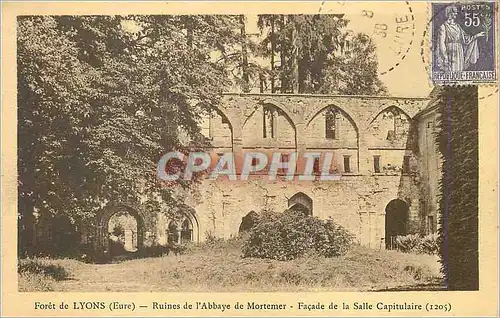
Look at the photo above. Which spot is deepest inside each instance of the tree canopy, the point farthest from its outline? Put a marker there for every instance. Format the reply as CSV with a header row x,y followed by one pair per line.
x,y
100,102
318,54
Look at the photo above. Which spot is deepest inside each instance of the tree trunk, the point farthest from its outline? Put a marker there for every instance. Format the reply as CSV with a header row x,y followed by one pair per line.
x,y
244,55
283,48
169,112
304,78
294,60
189,31
273,49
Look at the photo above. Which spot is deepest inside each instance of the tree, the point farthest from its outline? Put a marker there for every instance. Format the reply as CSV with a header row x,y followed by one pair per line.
x,y
96,96
318,55
354,71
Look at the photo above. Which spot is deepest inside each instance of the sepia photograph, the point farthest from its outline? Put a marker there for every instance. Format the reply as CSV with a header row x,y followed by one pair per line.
x,y
326,150
103,100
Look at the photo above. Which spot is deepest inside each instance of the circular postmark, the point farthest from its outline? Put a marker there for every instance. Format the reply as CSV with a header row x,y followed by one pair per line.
x,y
392,27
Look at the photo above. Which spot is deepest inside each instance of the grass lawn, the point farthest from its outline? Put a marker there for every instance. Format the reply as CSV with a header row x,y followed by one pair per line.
x,y
220,267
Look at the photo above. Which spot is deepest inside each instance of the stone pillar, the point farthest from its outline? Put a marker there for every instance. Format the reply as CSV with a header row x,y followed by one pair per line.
x,y
237,145
179,238
364,158
300,145
129,244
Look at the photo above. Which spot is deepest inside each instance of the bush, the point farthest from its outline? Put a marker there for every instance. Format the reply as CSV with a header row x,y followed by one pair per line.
x,y
42,267
414,243
430,244
32,282
39,274
408,243
291,234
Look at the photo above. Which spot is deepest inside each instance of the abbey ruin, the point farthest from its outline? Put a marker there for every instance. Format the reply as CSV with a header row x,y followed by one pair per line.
x,y
384,149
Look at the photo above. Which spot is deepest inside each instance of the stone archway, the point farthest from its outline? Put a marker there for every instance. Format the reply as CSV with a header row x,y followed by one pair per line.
x,y
396,219
103,230
302,202
184,227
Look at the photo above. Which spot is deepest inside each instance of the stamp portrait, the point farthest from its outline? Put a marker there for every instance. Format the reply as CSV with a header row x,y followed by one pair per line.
x,y
463,42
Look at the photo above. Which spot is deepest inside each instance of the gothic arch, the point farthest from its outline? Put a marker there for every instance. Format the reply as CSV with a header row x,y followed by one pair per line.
x,y
103,221
341,110
221,113
269,124
279,108
301,200
385,108
290,116
185,220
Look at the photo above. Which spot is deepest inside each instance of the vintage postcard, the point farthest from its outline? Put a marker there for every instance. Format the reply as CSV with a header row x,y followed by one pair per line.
x,y
317,158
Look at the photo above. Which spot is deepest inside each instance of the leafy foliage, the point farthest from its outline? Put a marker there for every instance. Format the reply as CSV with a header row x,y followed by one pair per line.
x,y
458,140
291,234
318,55
100,98
118,230
42,267
414,243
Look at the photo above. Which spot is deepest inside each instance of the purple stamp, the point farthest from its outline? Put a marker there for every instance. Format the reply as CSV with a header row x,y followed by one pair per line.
x,y
464,42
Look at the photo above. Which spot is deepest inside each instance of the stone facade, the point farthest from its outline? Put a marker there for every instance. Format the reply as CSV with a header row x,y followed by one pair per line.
x,y
365,127
382,148
429,167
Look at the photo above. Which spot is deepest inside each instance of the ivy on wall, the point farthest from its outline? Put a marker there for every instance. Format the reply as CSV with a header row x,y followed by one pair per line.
x,y
458,143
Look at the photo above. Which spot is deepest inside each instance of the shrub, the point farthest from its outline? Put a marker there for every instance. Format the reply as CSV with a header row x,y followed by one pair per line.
x,y
414,243
288,235
430,244
42,267
39,274
32,282
408,243
211,239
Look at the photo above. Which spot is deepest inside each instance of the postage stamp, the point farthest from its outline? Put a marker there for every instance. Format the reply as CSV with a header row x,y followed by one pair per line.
x,y
463,43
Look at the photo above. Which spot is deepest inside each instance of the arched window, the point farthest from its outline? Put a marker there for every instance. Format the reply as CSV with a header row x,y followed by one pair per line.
x,y
180,231
270,122
331,125
391,124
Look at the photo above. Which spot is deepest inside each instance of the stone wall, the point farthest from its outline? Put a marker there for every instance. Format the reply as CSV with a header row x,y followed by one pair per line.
x,y
429,167
355,202
365,127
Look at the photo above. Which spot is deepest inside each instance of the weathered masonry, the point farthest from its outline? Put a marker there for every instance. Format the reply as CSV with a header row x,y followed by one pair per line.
x,y
383,146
